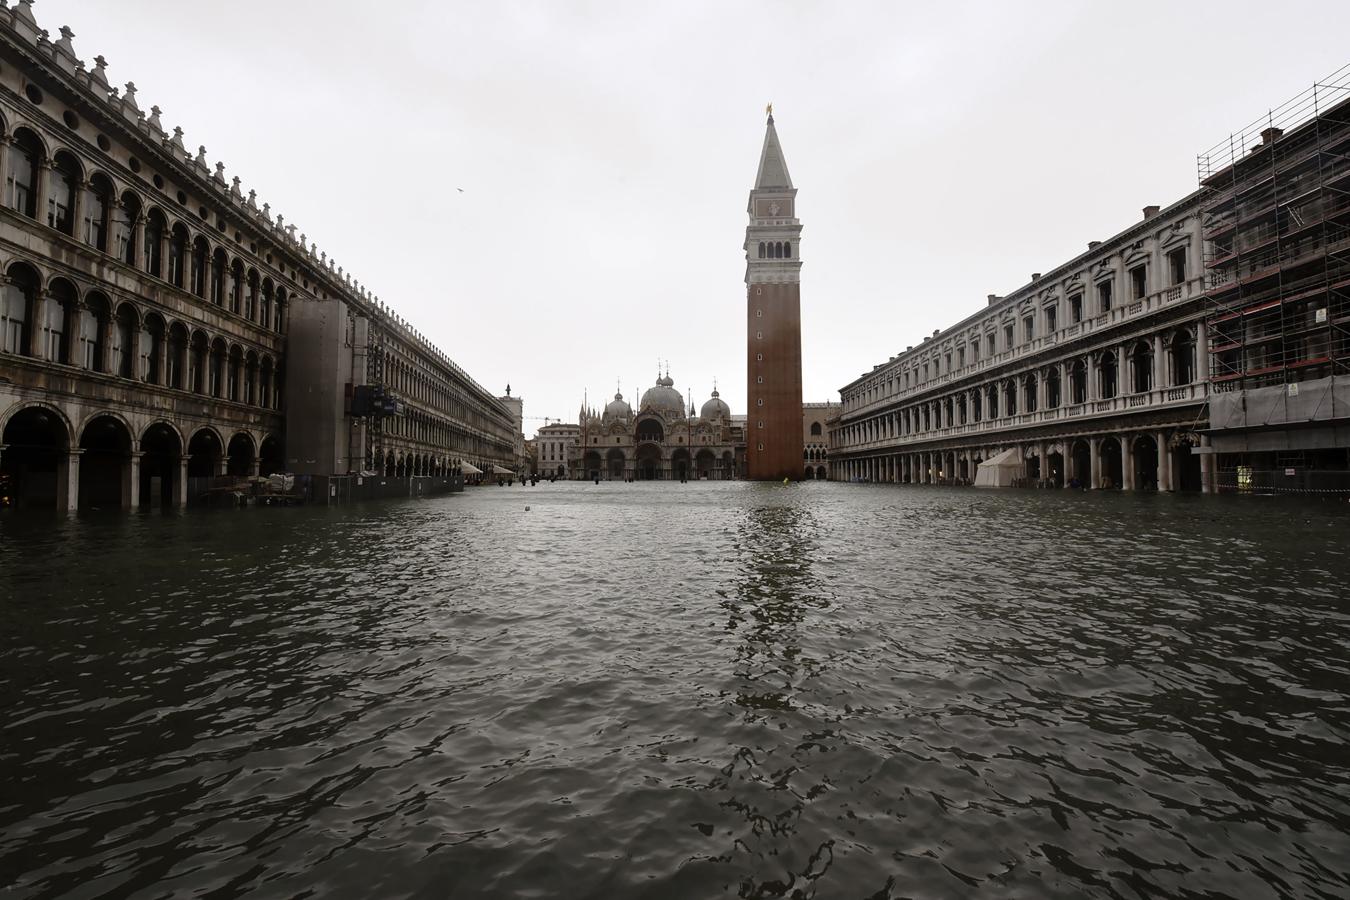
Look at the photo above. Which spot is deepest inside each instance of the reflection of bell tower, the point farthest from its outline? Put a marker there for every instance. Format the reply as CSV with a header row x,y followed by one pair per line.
x,y
773,431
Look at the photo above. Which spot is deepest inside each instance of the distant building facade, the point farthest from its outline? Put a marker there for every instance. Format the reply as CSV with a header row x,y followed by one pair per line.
x,y
1093,373
660,439
556,446
815,439
159,329
1206,347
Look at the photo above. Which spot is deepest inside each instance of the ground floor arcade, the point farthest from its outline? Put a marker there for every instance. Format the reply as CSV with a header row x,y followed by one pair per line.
x,y
1162,459
652,462
68,458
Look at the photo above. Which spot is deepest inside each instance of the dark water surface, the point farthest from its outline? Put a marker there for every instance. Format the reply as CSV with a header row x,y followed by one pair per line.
x,y
724,690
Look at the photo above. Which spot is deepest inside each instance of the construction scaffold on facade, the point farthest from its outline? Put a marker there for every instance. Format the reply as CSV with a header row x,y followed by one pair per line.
x,y
1277,235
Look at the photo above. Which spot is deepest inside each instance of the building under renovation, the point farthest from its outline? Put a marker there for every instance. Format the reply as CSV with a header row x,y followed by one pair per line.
x,y
1276,201
1202,348
161,329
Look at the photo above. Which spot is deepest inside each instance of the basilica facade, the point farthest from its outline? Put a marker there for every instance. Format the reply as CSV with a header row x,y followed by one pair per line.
x,y
661,439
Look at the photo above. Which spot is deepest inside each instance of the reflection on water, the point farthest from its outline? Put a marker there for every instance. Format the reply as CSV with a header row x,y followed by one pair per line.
x,y
681,691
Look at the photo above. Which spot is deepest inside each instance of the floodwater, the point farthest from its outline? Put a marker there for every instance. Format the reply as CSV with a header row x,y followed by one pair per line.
x,y
664,690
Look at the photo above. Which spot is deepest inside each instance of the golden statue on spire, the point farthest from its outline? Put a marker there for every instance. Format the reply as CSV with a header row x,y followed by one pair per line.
x,y
768,109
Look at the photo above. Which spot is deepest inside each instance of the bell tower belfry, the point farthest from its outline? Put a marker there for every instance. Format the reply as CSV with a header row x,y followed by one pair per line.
x,y
773,431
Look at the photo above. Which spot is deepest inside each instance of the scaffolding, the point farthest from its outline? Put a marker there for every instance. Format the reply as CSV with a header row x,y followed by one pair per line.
x,y
1276,212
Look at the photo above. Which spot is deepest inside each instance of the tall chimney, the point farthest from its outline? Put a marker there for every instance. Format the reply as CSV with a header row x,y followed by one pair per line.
x,y
1093,245
1035,276
1271,134
1151,211
994,298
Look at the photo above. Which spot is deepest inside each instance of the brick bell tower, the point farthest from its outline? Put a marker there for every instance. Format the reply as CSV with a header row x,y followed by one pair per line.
x,y
773,431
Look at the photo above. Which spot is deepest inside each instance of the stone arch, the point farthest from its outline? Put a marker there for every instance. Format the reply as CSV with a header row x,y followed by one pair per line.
x,y
271,455
56,318
162,447
175,355
65,180
155,230
96,326
36,461
27,153
20,405
242,451
206,451
199,264
234,285
251,284
126,321
1181,356
234,373
198,358
1141,367
105,461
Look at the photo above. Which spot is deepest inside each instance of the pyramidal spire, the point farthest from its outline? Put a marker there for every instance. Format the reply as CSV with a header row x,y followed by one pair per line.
x,y
773,171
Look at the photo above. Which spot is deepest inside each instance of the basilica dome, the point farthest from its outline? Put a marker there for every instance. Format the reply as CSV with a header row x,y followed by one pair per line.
x,y
664,399
617,409
714,408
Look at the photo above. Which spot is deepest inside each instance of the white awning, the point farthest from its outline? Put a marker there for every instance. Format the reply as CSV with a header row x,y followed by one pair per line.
x,y
469,468
498,470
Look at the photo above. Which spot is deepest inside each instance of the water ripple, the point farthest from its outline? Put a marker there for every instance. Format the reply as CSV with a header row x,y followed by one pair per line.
x,y
681,691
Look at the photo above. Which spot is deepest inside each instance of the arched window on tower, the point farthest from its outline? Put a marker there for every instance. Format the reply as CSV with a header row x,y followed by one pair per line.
x,y
761,249
787,250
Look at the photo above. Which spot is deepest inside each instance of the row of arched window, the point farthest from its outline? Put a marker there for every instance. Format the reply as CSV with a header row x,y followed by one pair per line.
x,y
412,382
89,209
775,249
1027,392
99,334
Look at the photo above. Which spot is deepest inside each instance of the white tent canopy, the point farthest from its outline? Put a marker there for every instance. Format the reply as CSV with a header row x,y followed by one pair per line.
x,y
499,470
469,468
1000,470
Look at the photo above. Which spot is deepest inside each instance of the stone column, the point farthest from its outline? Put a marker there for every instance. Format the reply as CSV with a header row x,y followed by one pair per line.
x,y
131,481
40,301
42,189
103,360
1095,463
68,481
1201,352
1206,467
74,326
1164,462
136,231
180,488
1126,462
5,143
223,465
1159,365
77,210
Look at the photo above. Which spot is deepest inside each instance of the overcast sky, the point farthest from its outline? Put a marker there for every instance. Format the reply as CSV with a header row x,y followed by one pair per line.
x,y
555,192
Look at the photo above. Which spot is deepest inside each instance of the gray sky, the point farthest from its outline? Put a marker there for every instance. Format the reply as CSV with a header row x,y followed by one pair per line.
x,y
942,152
